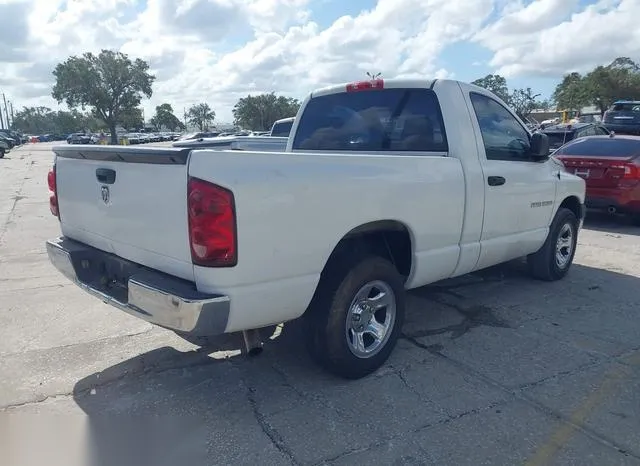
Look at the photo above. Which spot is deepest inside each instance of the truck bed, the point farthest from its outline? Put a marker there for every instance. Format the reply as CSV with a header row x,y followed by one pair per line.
x,y
127,201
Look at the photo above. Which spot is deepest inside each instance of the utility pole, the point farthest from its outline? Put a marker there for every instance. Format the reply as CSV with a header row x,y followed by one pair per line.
x,y
12,118
6,112
184,116
2,118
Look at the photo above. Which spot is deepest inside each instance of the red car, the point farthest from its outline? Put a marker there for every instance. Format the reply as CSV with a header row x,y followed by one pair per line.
x,y
610,166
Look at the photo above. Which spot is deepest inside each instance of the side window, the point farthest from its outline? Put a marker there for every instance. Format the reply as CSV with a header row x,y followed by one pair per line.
x,y
600,130
503,136
590,131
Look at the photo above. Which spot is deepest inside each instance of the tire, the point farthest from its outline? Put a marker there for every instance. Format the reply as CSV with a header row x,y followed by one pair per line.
x,y
552,262
1,152
331,321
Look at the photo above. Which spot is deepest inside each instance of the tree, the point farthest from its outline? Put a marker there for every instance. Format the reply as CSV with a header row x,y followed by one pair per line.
x,y
43,120
522,101
618,80
165,117
131,118
258,113
600,87
496,84
201,115
110,83
571,93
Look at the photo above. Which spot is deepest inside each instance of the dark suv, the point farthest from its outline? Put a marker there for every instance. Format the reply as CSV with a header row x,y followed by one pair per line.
x,y
561,134
623,117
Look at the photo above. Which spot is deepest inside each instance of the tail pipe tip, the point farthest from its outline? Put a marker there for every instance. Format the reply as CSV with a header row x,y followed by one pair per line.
x,y
252,342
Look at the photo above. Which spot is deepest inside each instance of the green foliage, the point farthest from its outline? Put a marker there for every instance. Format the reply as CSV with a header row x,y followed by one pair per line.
x,y
571,93
201,115
110,83
601,87
496,84
165,118
258,113
43,120
522,101
131,118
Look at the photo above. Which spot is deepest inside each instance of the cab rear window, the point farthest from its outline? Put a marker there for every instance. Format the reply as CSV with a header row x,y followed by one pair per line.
x,y
282,129
386,120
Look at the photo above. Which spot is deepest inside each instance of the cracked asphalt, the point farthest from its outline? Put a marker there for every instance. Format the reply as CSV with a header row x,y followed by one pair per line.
x,y
493,368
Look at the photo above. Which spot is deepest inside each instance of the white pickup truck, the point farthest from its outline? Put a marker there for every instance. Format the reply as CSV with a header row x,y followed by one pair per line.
x,y
384,186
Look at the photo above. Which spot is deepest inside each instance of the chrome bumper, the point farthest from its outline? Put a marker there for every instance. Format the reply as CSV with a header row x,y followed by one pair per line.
x,y
153,296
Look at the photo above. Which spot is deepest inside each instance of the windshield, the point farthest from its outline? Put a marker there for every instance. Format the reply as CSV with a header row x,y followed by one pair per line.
x,y
282,129
626,107
380,120
602,147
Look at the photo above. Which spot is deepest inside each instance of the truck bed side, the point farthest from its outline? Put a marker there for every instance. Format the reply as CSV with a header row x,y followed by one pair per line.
x,y
293,209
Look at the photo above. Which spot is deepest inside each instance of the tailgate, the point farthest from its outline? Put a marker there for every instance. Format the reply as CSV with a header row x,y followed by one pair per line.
x,y
601,172
131,202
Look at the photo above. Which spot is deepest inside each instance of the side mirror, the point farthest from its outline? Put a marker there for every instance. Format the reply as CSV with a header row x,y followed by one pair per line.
x,y
539,150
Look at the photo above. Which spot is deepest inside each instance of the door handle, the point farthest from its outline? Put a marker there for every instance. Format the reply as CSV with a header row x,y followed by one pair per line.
x,y
106,175
496,180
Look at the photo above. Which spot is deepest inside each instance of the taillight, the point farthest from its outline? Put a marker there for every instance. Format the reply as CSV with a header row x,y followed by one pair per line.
x,y
53,188
631,171
212,224
365,85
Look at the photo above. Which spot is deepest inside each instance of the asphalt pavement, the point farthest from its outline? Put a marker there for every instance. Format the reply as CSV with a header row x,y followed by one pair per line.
x,y
492,368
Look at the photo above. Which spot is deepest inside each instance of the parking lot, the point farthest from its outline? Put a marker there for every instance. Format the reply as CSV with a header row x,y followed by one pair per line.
x,y
493,368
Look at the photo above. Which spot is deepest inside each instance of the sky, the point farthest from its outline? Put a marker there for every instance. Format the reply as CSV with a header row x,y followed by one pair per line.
x,y
217,51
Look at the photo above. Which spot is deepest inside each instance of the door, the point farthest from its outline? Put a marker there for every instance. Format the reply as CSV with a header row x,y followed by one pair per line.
x,y
519,193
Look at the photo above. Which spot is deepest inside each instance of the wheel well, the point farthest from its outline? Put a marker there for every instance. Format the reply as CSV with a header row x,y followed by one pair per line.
x,y
386,238
573,204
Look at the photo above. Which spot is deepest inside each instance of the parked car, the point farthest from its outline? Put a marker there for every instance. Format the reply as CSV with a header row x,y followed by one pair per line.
x,y
384,186
81,138
9,138
623,117
611,167
562,133
282,128
4,147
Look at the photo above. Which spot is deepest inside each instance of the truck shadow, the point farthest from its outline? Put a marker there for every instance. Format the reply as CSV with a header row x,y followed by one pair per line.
x,y
194,397
616,224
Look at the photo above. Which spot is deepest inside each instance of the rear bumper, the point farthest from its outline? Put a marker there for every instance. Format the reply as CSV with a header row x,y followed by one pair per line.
x,y
155,297
622,200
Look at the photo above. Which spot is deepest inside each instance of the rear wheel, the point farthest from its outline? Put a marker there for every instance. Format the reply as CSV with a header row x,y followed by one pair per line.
x,y
1,152
554,259
356,316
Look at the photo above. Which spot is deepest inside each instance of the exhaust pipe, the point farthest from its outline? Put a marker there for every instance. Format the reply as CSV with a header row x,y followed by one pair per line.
x,y
612,210
252,342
